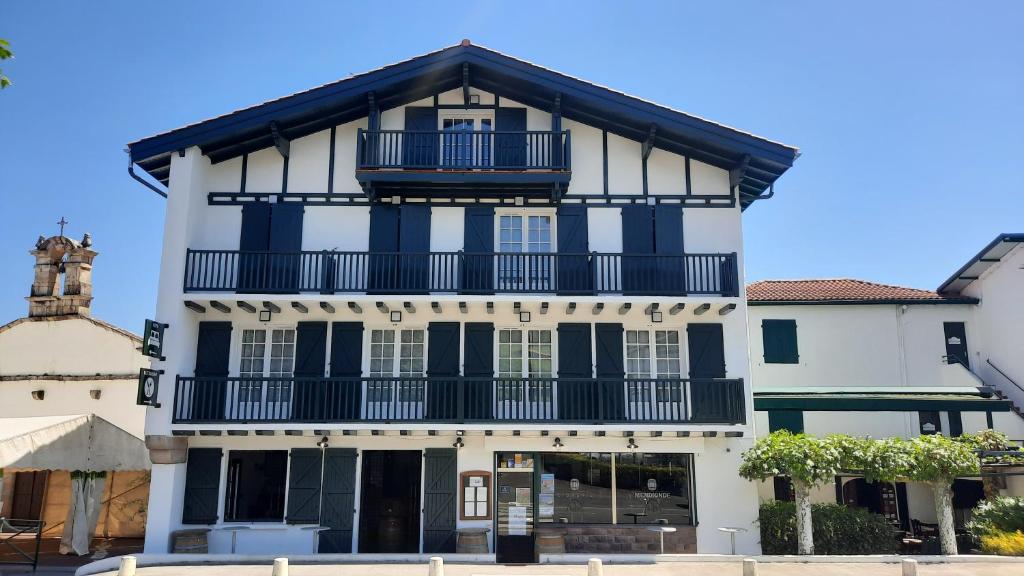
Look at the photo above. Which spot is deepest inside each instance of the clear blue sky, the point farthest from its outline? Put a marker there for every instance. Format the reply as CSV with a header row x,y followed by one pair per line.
x,y
909,115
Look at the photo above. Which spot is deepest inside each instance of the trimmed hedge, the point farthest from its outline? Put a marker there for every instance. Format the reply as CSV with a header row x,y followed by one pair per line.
x,y
837,530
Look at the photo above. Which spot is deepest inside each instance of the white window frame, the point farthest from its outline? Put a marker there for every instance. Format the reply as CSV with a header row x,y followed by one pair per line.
x,y
525,402
414,402
278,408
478,116
642,397
507,279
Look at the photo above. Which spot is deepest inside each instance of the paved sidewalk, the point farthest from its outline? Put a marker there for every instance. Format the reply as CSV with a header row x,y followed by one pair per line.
x,y
658,569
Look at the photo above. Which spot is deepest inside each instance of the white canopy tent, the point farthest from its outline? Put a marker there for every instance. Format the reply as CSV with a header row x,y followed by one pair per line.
x,y
84,444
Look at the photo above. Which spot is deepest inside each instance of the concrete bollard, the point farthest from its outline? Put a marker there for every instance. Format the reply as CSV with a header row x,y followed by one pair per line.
x,y
436,566
594,567
749,567
127,566
280,567
909,567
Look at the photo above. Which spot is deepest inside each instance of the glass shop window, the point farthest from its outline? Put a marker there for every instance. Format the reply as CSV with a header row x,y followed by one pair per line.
x,y
653,489
255,486
576,488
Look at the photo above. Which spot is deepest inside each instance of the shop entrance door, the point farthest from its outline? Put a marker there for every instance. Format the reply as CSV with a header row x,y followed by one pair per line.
x,y
514,483
389,511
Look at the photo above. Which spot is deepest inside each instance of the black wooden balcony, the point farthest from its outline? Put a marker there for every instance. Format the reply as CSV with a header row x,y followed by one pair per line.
x,y
204,400
390,161
331,272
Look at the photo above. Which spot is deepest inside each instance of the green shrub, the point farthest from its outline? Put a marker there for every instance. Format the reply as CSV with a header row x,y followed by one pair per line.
x,y
1003,543
837,530
1003,514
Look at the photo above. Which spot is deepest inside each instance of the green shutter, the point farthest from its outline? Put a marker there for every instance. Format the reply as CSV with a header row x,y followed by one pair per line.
x,y
304,486
202,486
792,420
779,337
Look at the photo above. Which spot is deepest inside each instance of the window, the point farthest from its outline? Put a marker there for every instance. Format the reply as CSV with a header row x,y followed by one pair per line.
x,y
461,147
404,361
260,362
525,233
779,338
652,489
255,486
930,422
661,362
576,488
532,361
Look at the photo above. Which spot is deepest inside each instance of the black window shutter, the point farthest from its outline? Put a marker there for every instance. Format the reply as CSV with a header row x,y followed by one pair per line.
x,y
609,367
478,245
414,244
637,238
574,273
440,491
668,245
510,149
576,400
285,244
304,486
442,360
255,237
420,141
202,486
213,350
478,363
382,268
779,340
339,500
710,400
310,358
344,397
956,424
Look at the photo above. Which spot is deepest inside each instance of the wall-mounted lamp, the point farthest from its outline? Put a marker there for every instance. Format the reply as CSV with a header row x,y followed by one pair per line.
x,y
656,316
322,443
632,444
396,315
558,444
460,432
38,394
95,394
458,442
524,316
265,315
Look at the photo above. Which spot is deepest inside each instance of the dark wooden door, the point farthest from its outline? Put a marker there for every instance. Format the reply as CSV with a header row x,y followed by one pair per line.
x,y
339,499
27,500
440,507
956,343
389,510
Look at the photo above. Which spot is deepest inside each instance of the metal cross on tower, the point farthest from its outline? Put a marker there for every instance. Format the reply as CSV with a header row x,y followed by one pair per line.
x,y
61,223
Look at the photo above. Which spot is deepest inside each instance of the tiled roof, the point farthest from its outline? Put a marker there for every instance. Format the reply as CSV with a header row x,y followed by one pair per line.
x,y
842,290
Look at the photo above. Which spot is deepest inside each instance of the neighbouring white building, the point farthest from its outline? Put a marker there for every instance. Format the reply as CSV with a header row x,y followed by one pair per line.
x,y
866,359
458,292
71,436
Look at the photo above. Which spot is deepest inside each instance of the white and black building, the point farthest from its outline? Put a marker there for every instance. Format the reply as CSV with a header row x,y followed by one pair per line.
x,y
461,291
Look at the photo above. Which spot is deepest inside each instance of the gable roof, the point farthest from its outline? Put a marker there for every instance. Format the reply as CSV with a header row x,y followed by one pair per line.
x,y
105,325
246,130
842,291
989,256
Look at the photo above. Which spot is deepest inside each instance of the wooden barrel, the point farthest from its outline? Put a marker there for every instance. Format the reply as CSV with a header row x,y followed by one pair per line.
x,y
472,542
551,543
189,542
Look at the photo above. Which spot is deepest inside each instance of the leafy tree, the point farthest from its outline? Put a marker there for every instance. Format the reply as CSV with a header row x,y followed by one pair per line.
x,y
5,53
808,461
937,461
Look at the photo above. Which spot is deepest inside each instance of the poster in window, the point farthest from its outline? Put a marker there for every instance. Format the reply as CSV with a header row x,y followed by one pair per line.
x,y
517,521
523,496
547,483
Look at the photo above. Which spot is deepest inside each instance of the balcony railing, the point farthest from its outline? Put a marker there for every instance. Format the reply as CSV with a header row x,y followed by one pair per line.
x,y
441,150
459,273
199,400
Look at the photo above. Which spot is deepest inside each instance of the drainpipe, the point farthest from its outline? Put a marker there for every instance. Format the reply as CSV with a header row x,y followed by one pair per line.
x,y
131,172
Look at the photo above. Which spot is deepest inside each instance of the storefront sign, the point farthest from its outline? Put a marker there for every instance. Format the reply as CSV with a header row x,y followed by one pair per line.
x,y
153,339
149,387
